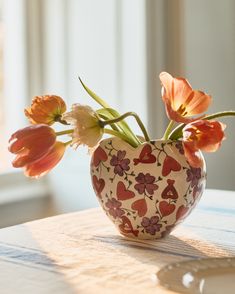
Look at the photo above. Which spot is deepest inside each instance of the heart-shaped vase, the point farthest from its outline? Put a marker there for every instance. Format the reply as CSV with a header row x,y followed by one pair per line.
x,y
148,190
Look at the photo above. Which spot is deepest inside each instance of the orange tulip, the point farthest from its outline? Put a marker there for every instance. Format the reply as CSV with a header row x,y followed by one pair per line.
x,y
201,135
182,103
46,163
45,109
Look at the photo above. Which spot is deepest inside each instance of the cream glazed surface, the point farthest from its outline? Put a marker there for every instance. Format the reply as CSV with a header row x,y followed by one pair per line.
x,y
148,190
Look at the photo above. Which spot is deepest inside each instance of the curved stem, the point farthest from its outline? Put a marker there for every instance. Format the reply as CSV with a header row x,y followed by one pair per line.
x,y
125,115
177,132
142,127
67,143
60,120
66,132
168,130
220,114
120,135
113,126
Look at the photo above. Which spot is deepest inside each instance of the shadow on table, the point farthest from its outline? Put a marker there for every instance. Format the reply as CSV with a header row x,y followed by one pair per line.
x,y
169,249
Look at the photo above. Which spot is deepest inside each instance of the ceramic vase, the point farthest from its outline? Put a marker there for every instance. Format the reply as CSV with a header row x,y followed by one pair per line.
x,y
148,190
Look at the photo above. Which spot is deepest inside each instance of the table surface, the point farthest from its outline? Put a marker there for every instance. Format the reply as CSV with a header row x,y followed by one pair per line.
x,y
83,253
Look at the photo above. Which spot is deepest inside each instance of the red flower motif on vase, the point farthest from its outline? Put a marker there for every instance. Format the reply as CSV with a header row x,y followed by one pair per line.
x,y
193,176
197,191
123,193
151,225
182,212
166,208
120,163
145,184
169,165
170,191
180,147
126,227
145,156
98,184
99,155
114,208
143,202
140,206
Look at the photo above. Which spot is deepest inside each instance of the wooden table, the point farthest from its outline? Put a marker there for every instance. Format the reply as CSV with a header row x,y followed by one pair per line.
x,y
83,253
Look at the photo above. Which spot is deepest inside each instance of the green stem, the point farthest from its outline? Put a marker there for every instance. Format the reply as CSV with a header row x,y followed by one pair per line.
x,y
60,120
66,132
113,126
120,135
168,130
177,132
220,114
67,143
125,115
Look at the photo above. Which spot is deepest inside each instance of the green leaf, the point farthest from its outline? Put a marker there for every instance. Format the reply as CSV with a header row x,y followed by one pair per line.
x,y
106,113
122,124
94,96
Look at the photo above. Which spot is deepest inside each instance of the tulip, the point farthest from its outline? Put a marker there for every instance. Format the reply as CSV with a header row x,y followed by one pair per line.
x,y
182,103
45,109
31,143
36,149
42,166
87,128
201,135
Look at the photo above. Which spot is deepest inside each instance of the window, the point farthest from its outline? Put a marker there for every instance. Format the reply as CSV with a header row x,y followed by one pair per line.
x,y
3,154
14,82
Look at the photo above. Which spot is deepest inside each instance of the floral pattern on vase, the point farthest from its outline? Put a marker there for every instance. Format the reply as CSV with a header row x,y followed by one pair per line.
x,y
148,190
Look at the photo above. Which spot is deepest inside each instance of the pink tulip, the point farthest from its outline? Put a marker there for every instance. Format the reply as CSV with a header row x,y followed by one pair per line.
x,y
36,149
46,163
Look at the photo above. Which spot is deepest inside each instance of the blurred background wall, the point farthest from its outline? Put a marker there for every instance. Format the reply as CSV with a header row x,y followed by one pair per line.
x,y
118,48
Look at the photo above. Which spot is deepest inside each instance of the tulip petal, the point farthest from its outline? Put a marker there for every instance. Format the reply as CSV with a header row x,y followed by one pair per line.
x,y
31,143
87,129
202,135
42,166
177,117
176,89
198,103
193,155
212,135
45,109
181,101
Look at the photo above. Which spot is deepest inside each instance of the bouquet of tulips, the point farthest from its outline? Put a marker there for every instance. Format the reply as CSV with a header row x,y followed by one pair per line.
x,y
38,147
